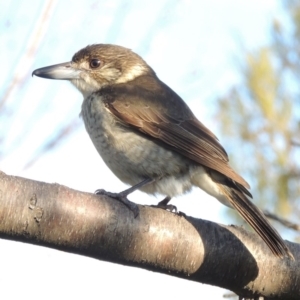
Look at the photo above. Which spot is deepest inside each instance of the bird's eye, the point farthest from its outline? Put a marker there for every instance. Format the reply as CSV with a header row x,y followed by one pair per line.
x,y
95,63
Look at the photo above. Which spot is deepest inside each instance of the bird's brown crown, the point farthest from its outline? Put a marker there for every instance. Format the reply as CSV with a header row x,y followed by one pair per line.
x,y
104,64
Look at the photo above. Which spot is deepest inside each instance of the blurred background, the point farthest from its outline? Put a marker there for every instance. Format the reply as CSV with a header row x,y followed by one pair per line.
x,y
236,64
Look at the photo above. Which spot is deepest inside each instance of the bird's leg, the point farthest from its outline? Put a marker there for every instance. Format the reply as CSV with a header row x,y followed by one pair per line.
x,y
122,196
164,205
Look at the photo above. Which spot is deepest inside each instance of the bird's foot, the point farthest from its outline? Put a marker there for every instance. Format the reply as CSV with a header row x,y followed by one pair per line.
x,y
164,205
182,214
121,197
169,207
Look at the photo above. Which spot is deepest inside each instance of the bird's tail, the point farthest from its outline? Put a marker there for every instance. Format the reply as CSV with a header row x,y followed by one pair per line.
x,y
257,220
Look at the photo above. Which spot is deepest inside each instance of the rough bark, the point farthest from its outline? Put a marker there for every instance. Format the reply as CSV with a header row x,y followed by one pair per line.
x,y
226,256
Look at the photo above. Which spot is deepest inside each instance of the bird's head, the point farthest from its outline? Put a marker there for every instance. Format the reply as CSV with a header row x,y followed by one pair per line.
x,y
96,66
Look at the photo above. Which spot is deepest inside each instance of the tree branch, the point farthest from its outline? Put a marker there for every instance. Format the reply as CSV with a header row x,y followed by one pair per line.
x,y
227,256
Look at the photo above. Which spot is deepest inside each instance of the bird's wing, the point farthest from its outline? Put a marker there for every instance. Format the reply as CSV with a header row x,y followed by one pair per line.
x,y
171,122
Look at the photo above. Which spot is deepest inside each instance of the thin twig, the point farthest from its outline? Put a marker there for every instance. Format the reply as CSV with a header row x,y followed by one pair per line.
x,y
295,143
284,222
25,62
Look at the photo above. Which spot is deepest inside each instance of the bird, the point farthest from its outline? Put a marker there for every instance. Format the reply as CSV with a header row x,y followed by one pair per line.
x,y
149,137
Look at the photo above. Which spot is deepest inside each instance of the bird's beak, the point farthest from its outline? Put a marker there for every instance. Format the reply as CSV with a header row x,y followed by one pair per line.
x,y
64,71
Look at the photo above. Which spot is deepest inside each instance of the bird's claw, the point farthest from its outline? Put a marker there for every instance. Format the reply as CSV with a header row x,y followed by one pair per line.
x,y
121,198
169,207
163,204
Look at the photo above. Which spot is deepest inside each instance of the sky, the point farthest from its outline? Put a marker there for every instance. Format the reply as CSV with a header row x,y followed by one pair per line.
x,y
192,45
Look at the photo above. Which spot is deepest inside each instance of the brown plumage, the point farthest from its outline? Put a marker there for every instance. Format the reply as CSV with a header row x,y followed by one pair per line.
x,y
169,120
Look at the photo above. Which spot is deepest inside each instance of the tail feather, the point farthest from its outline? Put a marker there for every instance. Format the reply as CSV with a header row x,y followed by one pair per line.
x,y
258,221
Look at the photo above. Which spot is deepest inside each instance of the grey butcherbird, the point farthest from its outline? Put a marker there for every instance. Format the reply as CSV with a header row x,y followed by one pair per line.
x,y
149,137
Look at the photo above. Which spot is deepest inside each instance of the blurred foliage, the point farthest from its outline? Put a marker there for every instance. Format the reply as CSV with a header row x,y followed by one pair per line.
x,y
261,117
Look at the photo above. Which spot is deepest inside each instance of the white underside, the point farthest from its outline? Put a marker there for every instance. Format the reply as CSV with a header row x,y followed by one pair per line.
x,y
196,177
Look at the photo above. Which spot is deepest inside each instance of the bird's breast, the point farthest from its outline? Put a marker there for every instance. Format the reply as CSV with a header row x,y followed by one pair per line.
x,y
129,154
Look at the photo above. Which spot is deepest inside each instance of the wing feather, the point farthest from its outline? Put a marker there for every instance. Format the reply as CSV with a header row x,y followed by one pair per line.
x,y
140,108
